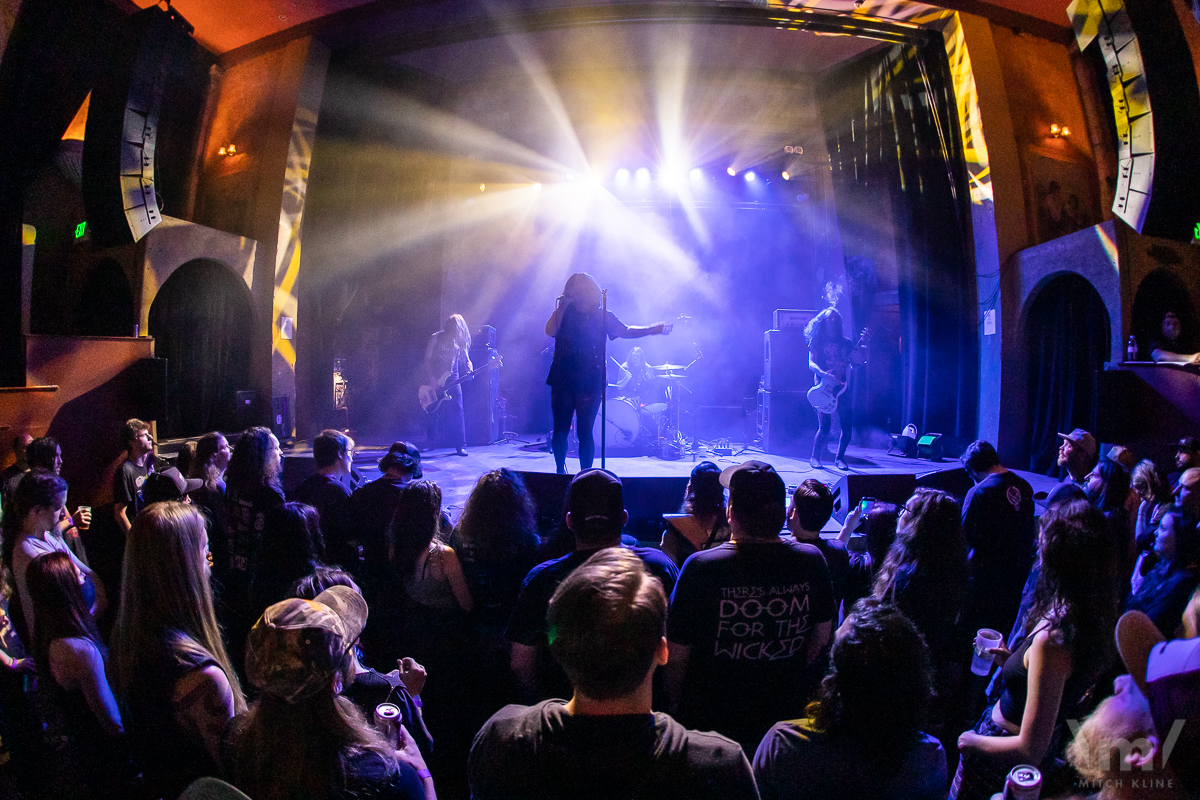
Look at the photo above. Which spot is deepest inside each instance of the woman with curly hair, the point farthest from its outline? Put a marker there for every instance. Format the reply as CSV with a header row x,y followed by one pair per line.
x,y
1069,642
862,737
925,576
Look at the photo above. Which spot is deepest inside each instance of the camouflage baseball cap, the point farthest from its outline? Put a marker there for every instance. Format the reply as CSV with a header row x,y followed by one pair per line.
x,y
297,646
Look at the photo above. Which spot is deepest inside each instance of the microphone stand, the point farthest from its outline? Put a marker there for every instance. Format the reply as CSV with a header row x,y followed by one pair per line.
x,y
604,391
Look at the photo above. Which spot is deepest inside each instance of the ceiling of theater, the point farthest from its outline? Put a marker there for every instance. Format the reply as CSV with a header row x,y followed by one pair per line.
x,y
225,25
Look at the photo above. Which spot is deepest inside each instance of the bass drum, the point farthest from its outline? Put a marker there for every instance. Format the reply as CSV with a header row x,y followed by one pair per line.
x,y
623,424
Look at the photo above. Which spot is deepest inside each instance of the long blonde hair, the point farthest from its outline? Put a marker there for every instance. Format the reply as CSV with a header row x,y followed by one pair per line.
x,y
462,334
166,599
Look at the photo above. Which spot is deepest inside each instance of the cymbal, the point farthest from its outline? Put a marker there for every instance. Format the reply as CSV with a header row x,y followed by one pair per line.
x,y
668,367
673,376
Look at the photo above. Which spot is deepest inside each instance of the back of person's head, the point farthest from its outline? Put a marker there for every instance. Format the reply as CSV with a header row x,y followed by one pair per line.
x,y
403,458
596,507
42,453
297,654
705,496
131,430
292,543
606,621
498,519
1147,481
36,489
1114,487
818,329
878,686
415,522
320,579
756,499
880,524
254,463
329,447
979,457
812,504
165,596
1077,588
53,582
1103,740
929,538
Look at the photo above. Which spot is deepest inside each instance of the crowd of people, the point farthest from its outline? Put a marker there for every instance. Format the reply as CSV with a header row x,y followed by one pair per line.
x,y
353,643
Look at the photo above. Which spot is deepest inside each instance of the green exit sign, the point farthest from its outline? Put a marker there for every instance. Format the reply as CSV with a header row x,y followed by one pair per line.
x,y
80,230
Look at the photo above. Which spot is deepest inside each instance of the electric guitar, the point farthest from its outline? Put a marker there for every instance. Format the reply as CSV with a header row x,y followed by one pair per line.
x,y
432,397
824,395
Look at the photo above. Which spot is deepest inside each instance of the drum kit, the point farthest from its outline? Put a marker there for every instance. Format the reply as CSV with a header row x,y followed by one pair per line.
x,y
642,422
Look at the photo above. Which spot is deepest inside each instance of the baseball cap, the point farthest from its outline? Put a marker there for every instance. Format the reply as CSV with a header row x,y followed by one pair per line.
x,y
754,482
1188,443
1168,673
297,646
595,497
1083,440
404,455
168,485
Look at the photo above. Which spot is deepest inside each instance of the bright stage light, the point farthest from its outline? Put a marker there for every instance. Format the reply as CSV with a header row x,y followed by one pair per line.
x,y
786,176
537,187
482,187
642,176
750,176
622,177
697,175
731,171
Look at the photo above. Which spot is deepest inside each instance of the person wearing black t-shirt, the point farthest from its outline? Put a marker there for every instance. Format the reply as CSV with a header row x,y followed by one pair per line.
x,y
129,477
577,374
333,452
831,357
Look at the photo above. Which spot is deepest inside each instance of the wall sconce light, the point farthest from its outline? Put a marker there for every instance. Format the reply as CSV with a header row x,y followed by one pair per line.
x,y
228,150
1059,131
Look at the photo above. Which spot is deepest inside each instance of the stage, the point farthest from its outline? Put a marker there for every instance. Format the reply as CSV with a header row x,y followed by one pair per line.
x,y
653,483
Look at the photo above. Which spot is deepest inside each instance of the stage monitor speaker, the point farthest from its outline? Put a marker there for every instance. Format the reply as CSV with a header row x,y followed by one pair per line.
x,y
955,481
888,488
929,447
646,500
122,126
481,399
246,415
150,378
785,361
483,336
788,423
281,420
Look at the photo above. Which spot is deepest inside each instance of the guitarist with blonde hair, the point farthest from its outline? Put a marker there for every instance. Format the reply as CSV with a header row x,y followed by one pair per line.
x,y
446,358
830,357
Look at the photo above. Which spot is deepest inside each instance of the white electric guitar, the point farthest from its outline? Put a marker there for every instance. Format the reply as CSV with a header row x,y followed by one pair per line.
x,y
824,396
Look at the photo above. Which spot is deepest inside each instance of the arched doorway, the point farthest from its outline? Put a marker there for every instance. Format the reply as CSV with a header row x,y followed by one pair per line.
x,y
1067,338
105,306
1159,292
199,320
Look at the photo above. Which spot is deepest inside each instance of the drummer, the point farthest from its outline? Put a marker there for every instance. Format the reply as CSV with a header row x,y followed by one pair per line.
x,y
638,381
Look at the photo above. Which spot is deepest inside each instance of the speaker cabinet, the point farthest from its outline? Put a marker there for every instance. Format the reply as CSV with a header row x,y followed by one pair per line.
x,y
886,488
785,361
788,423
481,397
955,481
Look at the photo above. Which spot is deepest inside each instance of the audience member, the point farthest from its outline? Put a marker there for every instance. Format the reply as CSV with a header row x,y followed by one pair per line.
x,y
368,687
1116,739
1166,589
1168,675
373,505
1155,500
1122,455
33,527
129,477
291,549
430,570
1187,455
748,617
77,707
1107,488
1187,496
333,452
879,530
300,739
212,458
862,736
812,506
176,684
13,472
44,453
998,527
185,459
1174,344
1069,643
1077,454
700,523
608,619
169,486
595,515
925,576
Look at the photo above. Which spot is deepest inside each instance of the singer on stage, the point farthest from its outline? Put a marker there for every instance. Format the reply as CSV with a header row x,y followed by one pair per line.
x,y
577,374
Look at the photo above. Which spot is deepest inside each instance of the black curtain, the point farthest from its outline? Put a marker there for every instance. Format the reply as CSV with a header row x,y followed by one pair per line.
x,y
1067,338
900,179
55,49
200,320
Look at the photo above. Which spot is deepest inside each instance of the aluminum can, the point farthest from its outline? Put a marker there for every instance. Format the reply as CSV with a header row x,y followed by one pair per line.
x,y
1023,783
387,722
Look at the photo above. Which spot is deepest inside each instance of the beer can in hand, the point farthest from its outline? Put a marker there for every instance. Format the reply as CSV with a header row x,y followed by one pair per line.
x,y
387,722
1023,783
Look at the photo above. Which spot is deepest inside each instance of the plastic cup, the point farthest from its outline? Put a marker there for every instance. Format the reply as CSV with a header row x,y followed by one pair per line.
x,y
85,519
981,661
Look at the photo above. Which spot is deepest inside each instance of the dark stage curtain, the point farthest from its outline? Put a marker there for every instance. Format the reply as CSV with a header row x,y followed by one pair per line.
x,y
200,321
55,49
1067,339
900,182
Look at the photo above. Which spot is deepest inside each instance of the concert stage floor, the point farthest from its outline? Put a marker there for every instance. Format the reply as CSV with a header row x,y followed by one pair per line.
x,y
457,475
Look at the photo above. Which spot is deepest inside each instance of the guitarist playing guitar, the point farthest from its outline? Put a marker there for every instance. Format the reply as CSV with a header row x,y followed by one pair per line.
x,y
830,357
446,358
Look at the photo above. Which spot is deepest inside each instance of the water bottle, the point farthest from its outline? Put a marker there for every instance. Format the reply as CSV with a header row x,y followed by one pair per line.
x,y
1131,351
